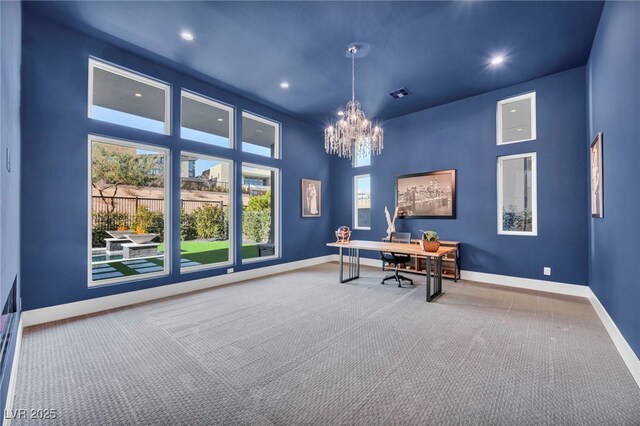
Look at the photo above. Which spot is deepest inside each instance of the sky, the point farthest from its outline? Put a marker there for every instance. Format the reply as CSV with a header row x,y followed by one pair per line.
x,y
135,121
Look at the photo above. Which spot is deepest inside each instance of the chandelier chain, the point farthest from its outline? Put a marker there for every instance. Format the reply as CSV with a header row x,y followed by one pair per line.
x,y
353,74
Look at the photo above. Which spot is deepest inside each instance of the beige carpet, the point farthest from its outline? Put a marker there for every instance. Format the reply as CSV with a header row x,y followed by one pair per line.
x,y
299,348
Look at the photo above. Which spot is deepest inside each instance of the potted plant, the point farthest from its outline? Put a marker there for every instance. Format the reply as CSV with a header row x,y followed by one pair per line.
x,y
430,241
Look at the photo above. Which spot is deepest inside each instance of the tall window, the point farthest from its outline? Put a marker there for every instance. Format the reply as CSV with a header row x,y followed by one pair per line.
x,y
517,195
362,202
129,210
205,120
206,214
260,136
260,211
122,97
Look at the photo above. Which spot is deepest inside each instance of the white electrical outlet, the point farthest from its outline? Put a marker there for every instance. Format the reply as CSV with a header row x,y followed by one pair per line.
x,y
230,271
547,270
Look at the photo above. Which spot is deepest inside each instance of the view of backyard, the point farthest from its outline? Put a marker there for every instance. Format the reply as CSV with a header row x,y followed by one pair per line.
x,y
128,205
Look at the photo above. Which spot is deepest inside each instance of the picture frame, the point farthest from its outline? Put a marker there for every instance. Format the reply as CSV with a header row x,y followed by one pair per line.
x,y
311,200
597,194
428,195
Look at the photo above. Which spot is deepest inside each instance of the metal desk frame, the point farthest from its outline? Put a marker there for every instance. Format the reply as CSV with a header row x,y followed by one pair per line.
x,y
353,270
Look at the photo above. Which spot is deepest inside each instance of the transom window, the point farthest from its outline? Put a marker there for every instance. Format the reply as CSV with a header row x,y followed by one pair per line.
x,y
516,119
260,136
205,120
126,98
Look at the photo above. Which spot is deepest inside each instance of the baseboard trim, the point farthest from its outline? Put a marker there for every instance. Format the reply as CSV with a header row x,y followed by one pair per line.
x,y
527,283
628,355
505,280
13,376
90,306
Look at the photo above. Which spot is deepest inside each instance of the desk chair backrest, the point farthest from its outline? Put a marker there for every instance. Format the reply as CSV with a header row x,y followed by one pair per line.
x,y
400,237
396,259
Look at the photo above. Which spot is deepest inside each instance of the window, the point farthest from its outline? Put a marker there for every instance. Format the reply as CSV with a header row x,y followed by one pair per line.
x,y
517,195
516,119
260,136
362,201
129,99
205,120
129,205
363,161
206,216
260,213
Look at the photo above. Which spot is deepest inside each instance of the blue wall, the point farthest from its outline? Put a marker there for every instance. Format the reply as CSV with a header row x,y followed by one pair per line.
x,y
462,135
10,14
614,110
54,187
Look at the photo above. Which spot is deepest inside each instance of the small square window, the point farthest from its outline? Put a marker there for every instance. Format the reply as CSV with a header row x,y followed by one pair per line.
x,y
205,120
260,136
122,97
516,119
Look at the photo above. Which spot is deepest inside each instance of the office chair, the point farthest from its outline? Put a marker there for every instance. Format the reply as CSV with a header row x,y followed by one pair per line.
x,y
396,259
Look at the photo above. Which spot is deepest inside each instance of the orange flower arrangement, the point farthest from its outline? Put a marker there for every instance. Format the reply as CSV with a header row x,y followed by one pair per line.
x,y
121,227
139,230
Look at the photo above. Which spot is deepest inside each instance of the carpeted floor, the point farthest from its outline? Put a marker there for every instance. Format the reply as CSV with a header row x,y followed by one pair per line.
x,y
299,348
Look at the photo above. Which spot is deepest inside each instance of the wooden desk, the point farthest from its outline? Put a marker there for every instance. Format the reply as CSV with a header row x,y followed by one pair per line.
x,y
355,246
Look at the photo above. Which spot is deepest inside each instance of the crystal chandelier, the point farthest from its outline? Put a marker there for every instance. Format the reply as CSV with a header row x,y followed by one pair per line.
x,y
353,135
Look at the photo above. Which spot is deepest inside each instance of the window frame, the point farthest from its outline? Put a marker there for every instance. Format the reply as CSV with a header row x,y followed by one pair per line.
x,y
194,96
253,116
133,75
356,226
500,103
231,213
277,237
534,194
166,271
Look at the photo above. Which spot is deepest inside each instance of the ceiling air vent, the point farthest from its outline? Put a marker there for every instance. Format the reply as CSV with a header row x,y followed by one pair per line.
x,y
400,93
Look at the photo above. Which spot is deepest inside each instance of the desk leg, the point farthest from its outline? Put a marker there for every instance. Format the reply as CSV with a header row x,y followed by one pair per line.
x,y
354,265
428,274
437,279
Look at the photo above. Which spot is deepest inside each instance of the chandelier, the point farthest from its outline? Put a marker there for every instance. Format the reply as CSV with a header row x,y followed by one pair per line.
x,y
353,136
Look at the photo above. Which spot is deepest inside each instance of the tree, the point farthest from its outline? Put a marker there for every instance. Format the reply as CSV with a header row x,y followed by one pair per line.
x,y
111,167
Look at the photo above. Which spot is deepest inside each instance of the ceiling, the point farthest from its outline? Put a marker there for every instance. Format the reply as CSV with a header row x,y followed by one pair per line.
x,y
440,51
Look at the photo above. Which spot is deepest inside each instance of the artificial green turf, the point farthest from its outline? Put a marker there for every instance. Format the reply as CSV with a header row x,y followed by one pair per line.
x,y
203,252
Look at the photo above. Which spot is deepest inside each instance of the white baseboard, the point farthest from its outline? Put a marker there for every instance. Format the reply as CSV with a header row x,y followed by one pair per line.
x,y
13,375
527,283
90,306
505,280
627,354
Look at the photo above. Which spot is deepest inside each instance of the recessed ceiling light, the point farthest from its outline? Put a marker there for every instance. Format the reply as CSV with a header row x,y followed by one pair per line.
x,y
284,85
220,119
138,95
186,35
513,110
340,113
258,131
497,60
519,130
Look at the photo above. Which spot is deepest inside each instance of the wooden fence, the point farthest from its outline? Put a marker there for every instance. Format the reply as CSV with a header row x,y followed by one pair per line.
x,y
129,205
